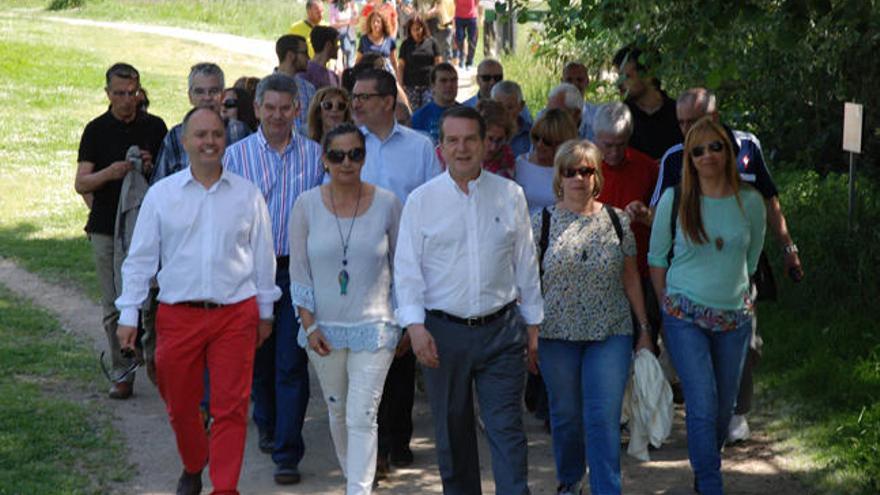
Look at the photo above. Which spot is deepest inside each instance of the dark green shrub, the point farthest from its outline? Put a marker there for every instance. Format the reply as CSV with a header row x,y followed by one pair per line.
x,y
65,4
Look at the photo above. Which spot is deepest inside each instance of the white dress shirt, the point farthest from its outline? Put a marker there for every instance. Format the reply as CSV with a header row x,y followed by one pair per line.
x,y
466,254
402,162
213,244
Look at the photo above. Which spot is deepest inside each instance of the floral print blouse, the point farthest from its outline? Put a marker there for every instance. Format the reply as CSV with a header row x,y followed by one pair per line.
x,y
584,299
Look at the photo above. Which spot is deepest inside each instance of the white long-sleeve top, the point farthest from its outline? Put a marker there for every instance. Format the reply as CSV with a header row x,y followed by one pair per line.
x,y
466,254
214,245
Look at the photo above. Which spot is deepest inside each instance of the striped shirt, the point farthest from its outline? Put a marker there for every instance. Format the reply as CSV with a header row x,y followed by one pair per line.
x,y
305,91
280,177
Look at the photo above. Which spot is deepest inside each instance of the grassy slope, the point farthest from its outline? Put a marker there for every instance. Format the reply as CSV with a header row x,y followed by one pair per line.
x,y
55,437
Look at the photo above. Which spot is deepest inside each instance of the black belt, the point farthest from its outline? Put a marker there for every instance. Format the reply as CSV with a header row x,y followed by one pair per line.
x,y
202,304
282,262
477,321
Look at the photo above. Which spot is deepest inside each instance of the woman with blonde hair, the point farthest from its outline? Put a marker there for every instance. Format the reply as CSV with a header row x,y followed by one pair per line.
x,y
329,108
534,170
587,256
705,242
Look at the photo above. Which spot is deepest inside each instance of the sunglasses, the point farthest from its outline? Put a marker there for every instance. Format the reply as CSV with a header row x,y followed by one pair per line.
x,y
327,105
714,147
568,173
230,103
337,156
491,77
541,139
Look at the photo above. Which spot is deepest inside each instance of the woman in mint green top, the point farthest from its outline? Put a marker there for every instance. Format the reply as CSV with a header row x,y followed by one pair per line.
x,y
704,288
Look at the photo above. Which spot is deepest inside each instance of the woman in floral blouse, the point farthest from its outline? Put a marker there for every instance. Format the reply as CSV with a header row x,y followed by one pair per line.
x,y
590,282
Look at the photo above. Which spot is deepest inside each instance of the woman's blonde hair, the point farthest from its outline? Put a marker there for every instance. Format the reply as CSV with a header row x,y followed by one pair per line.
x,y
689,211
555,125
315,122
573,154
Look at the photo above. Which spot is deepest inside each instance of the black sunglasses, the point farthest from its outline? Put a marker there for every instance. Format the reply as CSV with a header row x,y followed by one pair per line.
x,y
328,105
541,139
337,156
230,103
714,147
568,173
491,77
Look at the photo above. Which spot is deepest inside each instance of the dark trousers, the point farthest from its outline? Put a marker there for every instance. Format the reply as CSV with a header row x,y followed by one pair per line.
x,y
395,410
491,357
281,381
465,28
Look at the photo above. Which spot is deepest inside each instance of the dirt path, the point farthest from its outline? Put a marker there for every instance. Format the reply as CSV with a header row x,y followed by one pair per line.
x,y
757,467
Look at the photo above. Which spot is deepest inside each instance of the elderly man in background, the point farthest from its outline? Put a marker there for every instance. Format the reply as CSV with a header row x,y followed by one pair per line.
x,y
576,73
509,94
283,164
102,165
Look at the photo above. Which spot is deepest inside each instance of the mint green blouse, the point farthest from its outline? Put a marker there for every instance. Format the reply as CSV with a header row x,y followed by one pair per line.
x,y
714,274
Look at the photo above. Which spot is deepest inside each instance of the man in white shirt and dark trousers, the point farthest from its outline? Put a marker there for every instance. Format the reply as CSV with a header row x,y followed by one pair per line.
x,y
210,229
468,292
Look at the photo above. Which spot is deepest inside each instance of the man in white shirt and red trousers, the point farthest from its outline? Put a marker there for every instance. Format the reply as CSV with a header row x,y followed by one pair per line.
x,y
210,231
466,279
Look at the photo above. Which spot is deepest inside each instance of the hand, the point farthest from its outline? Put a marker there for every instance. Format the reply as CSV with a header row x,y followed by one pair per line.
x,y
793,267
117,170
423,345
403,346
645,342
264,330
147,160
638,212
318,343
532,352
127,336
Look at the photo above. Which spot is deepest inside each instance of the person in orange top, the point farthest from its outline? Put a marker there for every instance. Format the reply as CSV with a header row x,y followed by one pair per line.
x,y
629,175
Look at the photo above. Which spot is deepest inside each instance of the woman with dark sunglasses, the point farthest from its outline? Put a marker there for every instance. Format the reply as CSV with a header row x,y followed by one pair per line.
x,y
329,108
590,281
534,170
706,240
342,238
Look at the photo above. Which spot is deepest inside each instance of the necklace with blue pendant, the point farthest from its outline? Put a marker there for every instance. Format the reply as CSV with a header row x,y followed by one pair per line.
x,y
343,276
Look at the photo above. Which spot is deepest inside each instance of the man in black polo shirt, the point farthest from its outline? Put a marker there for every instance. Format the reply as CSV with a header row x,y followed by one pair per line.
x,y
655,126
101,167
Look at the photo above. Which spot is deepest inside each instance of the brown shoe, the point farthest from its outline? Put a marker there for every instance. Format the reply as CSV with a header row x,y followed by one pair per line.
x,y
189,484
121,390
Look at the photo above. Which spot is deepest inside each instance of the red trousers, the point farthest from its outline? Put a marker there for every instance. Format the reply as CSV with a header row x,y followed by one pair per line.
x,y
224,339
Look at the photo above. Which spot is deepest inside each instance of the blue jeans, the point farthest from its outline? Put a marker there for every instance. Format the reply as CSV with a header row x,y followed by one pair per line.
x,y
585,384
709,365
465,27
281,381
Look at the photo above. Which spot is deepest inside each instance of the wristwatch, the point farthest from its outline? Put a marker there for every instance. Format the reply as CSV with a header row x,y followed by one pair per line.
x,y
790,248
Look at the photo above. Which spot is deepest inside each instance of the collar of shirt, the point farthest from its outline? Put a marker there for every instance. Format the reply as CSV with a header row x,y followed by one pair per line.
x,y
264,143
473,184
395,129
189,179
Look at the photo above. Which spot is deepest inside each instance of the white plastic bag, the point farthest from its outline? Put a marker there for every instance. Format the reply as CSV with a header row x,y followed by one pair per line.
x,y
647,406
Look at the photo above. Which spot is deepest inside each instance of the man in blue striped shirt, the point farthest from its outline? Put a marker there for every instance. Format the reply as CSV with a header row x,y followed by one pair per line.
x,y
283,164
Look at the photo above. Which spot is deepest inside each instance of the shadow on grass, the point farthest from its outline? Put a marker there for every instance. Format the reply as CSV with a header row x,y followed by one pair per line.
x,y
59,260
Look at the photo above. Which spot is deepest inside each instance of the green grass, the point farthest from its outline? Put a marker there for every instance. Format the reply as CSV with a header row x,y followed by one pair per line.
x,y
45,102
55,437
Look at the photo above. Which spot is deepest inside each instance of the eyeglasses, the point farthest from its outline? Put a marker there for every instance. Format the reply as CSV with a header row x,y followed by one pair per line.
x,y
714,147
328,105
490,77
584,172
362,97
541,139
230,103
337,156
131,94
207,91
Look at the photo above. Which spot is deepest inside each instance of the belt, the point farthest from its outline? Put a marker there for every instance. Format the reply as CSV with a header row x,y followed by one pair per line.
x,y
282,262
476,321
202,304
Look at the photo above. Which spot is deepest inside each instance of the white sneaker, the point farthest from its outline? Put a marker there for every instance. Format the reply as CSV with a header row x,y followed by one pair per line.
x,y
738,431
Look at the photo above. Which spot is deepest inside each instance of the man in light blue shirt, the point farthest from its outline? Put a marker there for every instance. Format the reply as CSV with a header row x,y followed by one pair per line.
x,y
398,159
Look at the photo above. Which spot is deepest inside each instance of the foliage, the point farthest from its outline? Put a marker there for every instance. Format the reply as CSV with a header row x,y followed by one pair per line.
x,y
65,4
54,438
783,67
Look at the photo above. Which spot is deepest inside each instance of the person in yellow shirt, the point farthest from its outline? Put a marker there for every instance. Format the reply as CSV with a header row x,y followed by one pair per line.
x,y
314,17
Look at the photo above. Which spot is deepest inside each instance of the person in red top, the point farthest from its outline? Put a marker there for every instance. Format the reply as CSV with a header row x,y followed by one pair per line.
x,y
629,178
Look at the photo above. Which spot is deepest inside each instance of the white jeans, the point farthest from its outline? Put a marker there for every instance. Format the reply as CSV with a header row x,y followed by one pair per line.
x,y
352,384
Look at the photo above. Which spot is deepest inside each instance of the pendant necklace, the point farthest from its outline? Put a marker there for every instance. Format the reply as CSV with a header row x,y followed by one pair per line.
x,y
719,243
343,273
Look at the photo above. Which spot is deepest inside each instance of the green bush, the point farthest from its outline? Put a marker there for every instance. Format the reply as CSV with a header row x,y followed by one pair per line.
x,y
65,4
